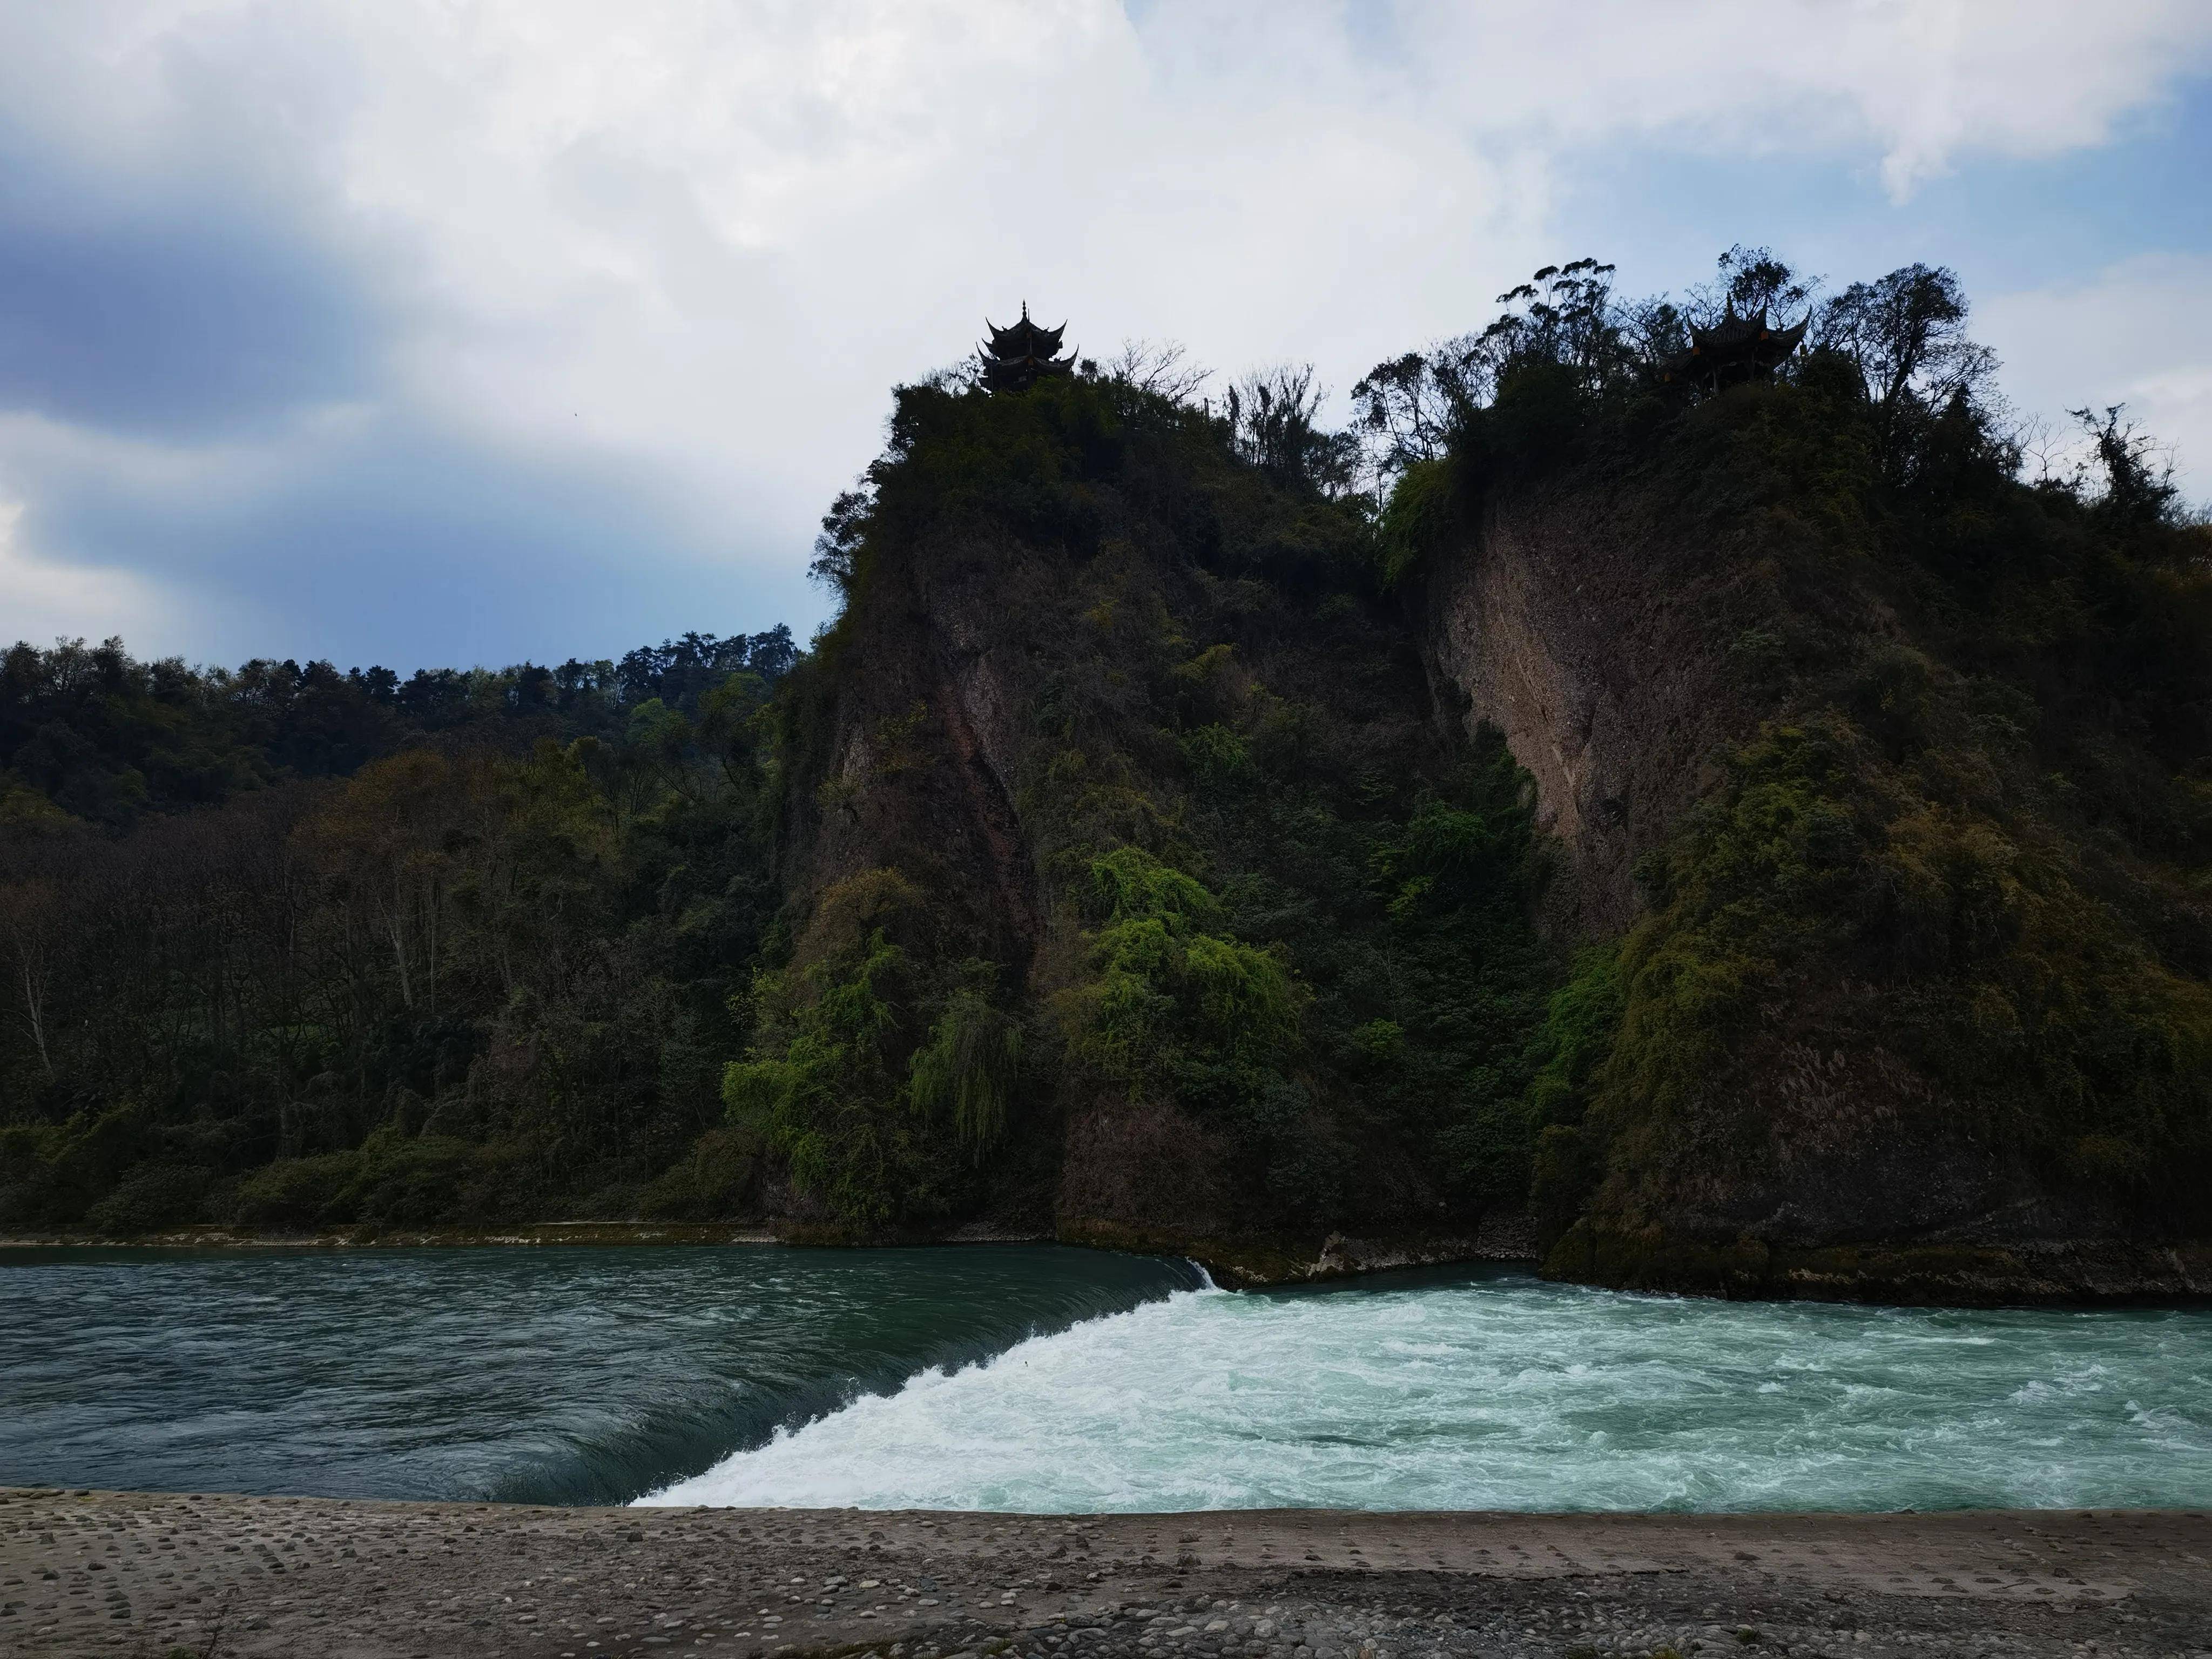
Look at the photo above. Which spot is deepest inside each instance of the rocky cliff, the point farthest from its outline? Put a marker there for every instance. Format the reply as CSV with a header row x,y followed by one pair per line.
x,y
1911,1007
1593,635
1117,760
1714,865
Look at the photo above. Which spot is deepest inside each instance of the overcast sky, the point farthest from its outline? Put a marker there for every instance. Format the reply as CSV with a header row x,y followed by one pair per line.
x,y
423,331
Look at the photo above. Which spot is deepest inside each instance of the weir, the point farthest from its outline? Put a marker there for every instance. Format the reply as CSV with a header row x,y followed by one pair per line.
x,y
1449,1391
1042,1379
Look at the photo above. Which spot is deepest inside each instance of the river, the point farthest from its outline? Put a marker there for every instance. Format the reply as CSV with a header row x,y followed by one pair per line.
x,y
1038,1378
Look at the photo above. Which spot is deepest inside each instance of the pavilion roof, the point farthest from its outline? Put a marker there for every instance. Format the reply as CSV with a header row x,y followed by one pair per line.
x,y
1015,357
1736,343
1023,339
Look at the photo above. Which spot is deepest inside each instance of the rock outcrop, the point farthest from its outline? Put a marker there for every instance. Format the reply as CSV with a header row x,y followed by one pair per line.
x,y
1868,997
1594,640
1848,904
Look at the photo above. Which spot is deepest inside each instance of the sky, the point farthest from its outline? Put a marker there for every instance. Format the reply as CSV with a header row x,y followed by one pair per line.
x,y
457,332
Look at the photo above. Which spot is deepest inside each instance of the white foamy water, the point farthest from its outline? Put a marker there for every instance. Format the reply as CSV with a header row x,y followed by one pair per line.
x,y
1506,1392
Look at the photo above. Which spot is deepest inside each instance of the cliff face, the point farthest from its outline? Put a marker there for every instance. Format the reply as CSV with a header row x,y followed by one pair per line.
x,y
1592,635
1116,760
1885,961
1155,879
913,764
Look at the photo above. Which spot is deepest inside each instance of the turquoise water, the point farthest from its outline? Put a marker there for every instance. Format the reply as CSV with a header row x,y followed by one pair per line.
x,y
1451,1391
544,1375
1046,1379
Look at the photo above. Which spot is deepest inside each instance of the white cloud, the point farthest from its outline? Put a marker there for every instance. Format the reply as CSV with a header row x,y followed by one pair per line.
x,y
46,601
2139,334
1924,82
698,240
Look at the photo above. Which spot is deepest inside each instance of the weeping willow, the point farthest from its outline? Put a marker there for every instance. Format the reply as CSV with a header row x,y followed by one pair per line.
x,y
968,1067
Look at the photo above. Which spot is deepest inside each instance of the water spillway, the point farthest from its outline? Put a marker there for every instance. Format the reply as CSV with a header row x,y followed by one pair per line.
x,y
1044,1379
1497,1392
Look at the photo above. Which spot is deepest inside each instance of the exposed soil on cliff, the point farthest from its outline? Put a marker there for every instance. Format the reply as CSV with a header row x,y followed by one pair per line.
x,y
1581,625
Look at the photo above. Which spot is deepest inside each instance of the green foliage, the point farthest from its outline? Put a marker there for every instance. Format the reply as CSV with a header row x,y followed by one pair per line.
x,y
1174,835
1952,878
152,1197
1420,518
1131,885
1563,1174
1578,1034
1273,421
1218,759
483,977
862,1045
1171,1001
719,1177
1448,855
820,1101
1961,859
89,735
392,1179
1279,906
970,1064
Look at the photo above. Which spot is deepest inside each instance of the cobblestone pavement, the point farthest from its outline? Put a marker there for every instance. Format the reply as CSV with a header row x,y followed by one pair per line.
x,y
135,1574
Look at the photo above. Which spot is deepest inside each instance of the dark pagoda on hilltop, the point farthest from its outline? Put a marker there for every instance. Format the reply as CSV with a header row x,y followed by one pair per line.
x,y
1734,348
1017,357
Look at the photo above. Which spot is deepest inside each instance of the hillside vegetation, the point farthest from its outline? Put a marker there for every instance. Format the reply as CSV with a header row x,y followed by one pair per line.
x,y
1133,881
293,949
1144,853
1919,957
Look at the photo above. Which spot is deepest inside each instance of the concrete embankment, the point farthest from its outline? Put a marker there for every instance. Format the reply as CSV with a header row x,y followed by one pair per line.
x,y
138,1574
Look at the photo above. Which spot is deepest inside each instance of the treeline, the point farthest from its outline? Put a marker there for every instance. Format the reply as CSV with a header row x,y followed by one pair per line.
x,y
93,734
289,947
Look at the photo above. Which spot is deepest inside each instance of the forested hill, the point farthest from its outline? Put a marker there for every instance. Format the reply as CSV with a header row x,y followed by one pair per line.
x,y
1729,829
291,947
90,734
1751,828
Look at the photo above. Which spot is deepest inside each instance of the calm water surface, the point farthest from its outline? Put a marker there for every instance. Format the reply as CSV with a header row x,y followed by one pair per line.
x,y
552,1375
1045,1379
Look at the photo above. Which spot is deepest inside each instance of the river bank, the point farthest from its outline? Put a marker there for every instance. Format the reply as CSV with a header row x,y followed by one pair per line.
x,y
1234,1263
93,1573
354,1238
2041,1274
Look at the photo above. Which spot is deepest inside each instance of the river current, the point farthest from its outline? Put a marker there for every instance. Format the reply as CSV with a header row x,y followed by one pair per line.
x,y
1035,1379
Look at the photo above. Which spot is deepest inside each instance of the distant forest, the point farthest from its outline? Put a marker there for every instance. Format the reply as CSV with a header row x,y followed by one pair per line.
x,y
289,946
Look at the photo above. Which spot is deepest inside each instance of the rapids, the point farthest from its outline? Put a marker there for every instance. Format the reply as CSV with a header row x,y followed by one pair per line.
x,y
1496,1391
1038,1378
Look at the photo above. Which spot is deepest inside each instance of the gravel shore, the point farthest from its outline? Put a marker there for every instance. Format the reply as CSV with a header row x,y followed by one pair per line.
x,y
138,1574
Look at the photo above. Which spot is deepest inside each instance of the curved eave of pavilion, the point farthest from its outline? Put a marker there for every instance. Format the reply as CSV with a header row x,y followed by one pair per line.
x,y
1016,337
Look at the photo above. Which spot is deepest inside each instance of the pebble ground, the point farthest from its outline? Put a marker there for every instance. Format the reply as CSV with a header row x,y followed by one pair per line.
x,y
161,1577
